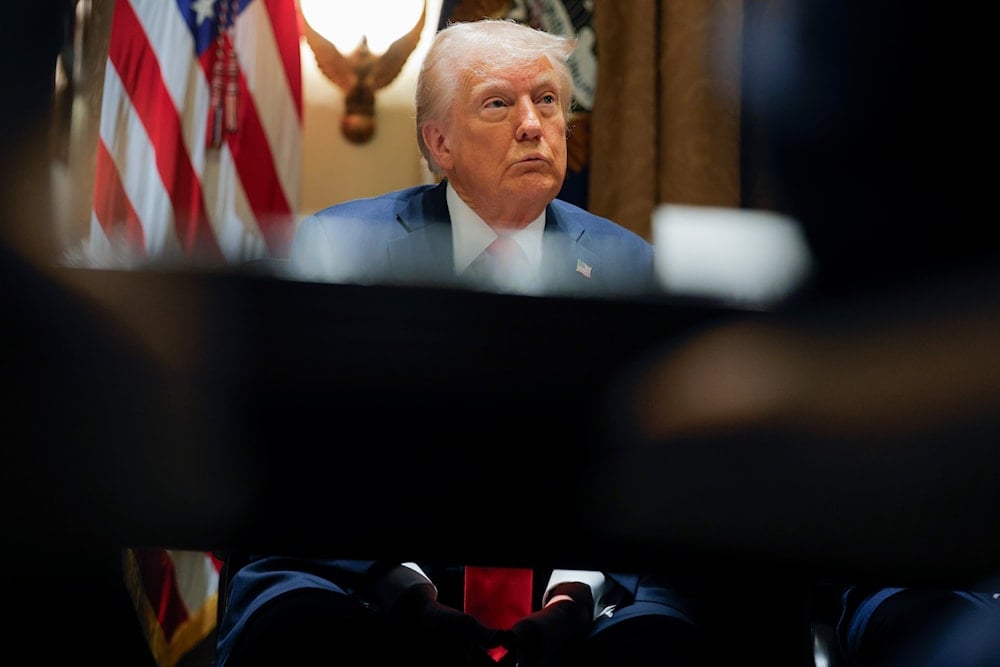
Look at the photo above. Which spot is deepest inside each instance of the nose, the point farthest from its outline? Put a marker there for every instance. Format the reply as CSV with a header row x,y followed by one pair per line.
x,y
529,124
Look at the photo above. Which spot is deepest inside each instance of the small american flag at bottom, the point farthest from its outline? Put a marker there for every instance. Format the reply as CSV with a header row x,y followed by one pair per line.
x,y
583,268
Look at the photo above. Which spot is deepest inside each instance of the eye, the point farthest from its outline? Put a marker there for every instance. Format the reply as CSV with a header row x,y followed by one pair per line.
x,y
548,98
495,103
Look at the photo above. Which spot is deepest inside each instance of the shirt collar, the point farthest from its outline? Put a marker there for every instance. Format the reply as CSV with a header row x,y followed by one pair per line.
x,y
470,234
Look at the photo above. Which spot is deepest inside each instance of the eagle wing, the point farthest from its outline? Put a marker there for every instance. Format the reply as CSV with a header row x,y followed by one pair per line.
x,y
390,64
331,62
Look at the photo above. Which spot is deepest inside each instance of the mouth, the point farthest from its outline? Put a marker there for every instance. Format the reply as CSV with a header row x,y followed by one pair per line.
x,y
530,159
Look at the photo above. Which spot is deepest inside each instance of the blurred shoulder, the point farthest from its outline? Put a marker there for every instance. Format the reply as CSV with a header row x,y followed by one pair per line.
x,y
393,200
595,224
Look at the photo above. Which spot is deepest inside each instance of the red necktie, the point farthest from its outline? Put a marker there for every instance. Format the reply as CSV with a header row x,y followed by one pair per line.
x,y
498,597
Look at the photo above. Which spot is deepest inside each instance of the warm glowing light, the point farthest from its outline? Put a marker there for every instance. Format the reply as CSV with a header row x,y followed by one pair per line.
x,y
344,23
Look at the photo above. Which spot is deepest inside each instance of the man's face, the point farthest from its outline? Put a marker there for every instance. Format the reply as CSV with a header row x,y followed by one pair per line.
x,y
503,147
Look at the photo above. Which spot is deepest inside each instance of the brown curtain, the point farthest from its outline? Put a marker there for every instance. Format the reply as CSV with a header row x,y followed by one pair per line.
x,y
665,123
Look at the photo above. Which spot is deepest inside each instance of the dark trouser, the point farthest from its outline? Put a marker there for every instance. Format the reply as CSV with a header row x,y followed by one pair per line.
x,y
315,627
924,628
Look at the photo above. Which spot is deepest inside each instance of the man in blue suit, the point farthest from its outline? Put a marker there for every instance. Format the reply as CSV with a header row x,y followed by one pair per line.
x,y
496,141
426,234
493,106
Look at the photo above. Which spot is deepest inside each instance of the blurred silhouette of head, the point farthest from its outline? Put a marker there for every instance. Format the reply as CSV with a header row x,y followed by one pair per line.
x,y
875,114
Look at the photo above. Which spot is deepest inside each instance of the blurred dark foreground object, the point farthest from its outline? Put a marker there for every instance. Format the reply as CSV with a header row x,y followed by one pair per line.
x,y
851,437
855,426
874,119
848,439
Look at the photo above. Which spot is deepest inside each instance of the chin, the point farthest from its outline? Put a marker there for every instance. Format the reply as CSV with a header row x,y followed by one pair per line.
x,y
537,185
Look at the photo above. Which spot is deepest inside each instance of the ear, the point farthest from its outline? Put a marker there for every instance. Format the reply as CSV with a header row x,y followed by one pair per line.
x,y
437,144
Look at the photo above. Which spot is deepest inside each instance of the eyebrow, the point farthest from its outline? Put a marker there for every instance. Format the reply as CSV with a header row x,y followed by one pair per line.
x,y
487,86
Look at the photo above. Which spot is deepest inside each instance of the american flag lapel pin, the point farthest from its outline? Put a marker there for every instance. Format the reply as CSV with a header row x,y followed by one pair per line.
x,y
583,268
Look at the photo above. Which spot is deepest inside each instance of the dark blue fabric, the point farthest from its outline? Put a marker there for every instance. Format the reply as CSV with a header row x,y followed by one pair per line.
x,y
265,579
915,627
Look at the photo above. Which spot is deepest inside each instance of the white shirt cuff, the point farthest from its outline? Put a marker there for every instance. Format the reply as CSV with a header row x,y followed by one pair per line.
x,y
596,580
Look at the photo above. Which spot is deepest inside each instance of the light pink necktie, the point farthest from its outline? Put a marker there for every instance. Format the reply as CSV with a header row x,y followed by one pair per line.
x,y
503,264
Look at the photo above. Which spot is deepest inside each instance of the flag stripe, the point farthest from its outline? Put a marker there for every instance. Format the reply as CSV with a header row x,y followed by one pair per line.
x,y
230,204
175,594
255,164
269,122
139,72
159,580
194,573
142,185
128,144
111,205
285,24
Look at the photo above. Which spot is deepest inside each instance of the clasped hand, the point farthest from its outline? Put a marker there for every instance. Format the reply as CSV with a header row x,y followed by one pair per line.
x,y
447,637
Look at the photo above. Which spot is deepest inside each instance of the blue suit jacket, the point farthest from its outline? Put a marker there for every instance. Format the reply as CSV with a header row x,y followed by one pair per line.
x,y
404,237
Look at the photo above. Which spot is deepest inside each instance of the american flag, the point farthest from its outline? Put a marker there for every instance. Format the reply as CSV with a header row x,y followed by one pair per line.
x,y
175,594
199,156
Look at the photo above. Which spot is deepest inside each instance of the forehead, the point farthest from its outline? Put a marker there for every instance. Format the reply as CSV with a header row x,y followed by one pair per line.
x,y
481,77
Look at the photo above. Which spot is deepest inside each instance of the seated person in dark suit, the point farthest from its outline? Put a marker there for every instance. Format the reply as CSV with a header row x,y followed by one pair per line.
x,y
493,102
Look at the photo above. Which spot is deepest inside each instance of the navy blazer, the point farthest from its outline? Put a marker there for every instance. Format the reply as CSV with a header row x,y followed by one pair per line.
x,y
404,237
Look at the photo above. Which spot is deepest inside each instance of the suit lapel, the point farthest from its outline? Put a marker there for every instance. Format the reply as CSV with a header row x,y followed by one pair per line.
x,y
569,263
425,253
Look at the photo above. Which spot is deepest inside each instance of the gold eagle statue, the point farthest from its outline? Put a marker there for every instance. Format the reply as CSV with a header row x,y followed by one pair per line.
x,y
360,73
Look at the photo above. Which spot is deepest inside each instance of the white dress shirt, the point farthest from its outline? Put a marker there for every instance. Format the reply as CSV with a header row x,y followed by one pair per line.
x,y
471,235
